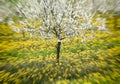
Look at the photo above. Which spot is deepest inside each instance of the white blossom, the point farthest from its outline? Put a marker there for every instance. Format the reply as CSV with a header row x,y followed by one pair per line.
x,y
17,30
10,22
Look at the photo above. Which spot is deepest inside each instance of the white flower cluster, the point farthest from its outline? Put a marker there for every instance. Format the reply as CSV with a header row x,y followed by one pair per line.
x,y
60,18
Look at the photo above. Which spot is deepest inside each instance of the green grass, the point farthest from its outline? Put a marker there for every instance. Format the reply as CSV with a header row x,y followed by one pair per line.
x,y
33,61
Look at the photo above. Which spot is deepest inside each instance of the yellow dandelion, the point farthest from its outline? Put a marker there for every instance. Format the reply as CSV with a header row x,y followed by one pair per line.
x,y
87,83
97,81
51,79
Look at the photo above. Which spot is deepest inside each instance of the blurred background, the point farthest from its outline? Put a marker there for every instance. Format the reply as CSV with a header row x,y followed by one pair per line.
x,y
28,58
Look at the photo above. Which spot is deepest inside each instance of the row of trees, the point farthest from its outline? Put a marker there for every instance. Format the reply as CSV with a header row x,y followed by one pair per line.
x,y
61,18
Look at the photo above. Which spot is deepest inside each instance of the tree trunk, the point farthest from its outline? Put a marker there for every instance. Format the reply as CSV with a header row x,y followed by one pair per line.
x,y
58,50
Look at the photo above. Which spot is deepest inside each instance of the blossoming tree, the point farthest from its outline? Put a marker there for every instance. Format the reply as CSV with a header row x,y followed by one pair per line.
x,y
59,18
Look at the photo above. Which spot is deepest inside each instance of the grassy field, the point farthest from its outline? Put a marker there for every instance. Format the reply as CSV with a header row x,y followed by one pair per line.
x,y
33,61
